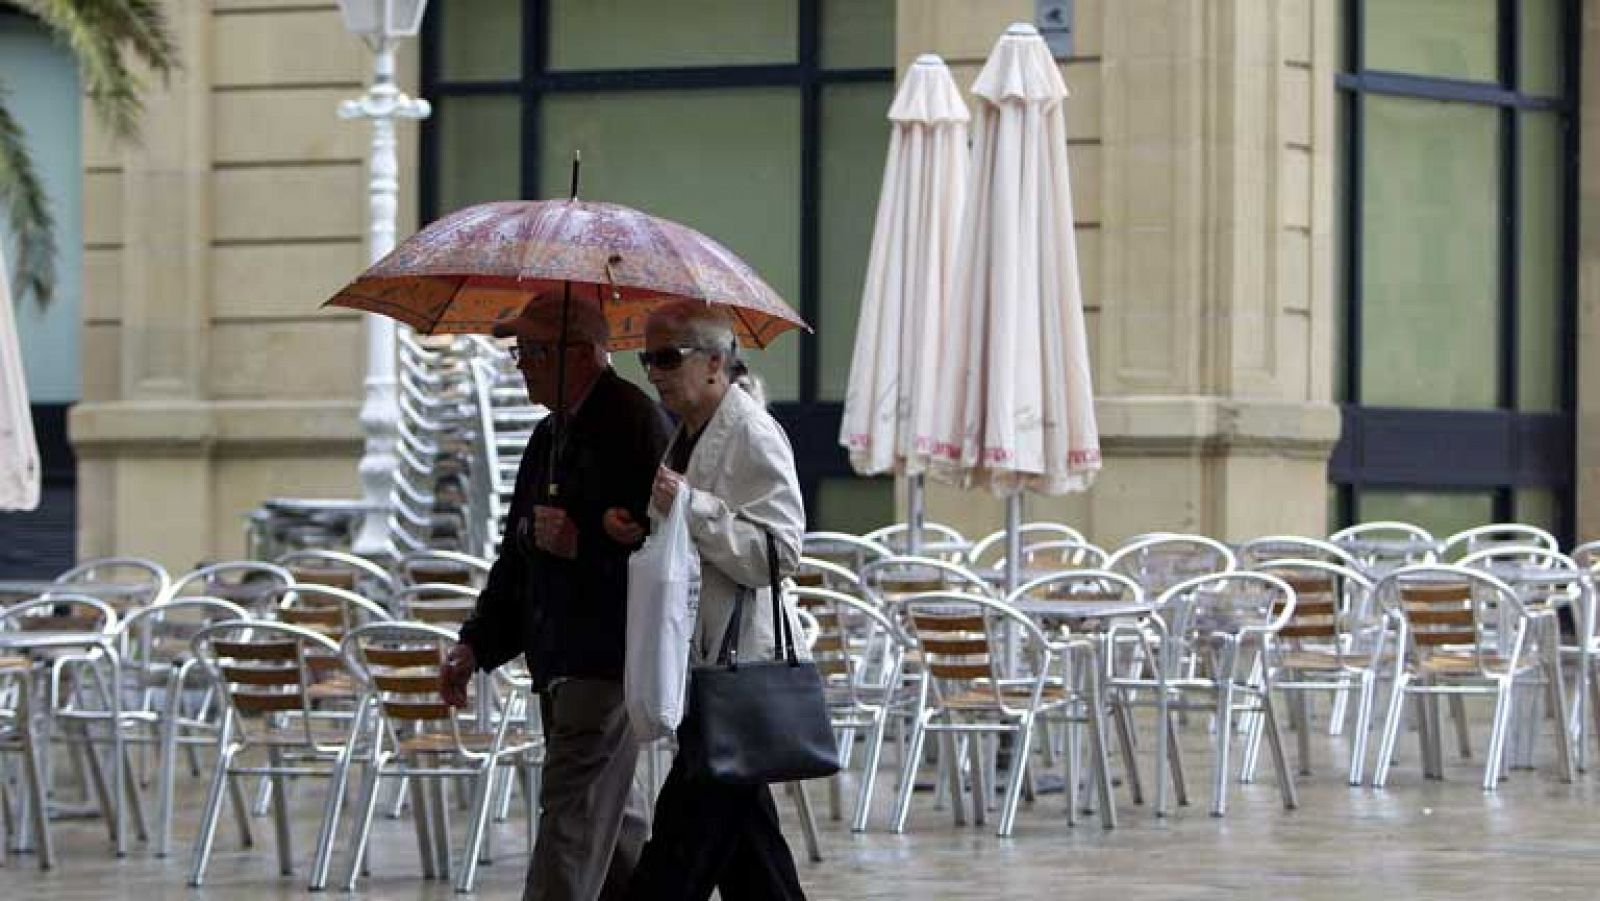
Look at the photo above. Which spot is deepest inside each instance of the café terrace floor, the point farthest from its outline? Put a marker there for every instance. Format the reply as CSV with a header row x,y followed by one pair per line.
x,y
1535,838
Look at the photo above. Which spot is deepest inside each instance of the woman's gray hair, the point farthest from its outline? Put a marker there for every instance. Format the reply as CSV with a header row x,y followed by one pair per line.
x,y
698,324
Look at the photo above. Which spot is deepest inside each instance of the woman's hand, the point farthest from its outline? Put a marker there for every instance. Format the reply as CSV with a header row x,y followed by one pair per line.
x,y
621,526
665,490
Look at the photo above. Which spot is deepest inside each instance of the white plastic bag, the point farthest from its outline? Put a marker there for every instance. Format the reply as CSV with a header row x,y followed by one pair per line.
x,y
663,601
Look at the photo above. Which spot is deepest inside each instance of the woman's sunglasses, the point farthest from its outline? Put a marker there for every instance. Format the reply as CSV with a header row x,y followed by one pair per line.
x,y
667,358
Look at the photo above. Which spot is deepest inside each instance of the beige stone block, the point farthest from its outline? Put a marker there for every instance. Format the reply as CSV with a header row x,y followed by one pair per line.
x,y
102,209
1089,36
275,281
1149,187
1294,270
1152,29
274,203
1293,376
102,285
1153,102
964,74
1088,241
972,513
1295,28
1083,106
1084,161
162,509
99,150
1135,494
958,30
296,45
243,483
1297,488
290,125
286,360
95,493
1295,187
101,356
1296,96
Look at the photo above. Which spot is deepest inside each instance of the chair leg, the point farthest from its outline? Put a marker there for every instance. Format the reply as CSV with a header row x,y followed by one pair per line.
x,y
1503,708
1280,760
280,820
1358,744
1250,758
438,804
808,820
322,862
166,777
367,806
1339,711
38,798
1164,744
1223,741
1556,699
213,811
1100,754
869,772
1458,713
908,775
241,812
483,794
1023,744
135,798
1391,731
1122,719
1180,782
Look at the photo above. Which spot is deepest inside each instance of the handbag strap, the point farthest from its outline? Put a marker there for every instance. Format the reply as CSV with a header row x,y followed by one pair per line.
x,y
728,653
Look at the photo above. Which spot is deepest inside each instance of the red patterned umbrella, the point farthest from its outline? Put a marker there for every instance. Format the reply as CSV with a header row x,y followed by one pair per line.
x,y
481,265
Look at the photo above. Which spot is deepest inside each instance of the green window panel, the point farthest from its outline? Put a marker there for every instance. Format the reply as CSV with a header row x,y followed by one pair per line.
x,y
1538,507
853,505
725,161
1430,246
1539,325
480,40
648,34
1539,56
480,150
1441,513
1453,38
855,138
857,34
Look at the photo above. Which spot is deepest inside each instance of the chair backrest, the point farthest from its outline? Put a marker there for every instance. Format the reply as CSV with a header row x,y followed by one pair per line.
x,y
1333,605
266,670
442,566
1063,554
1501,534
399,665
816,573
850,551
1257,552
1510,563
435,603
857,646
1086,586
1587,555
150,577
252,584
1159,562
165,632
1449,609
327,610
1382,545
60,612
1227,604
337,569
959,636
938,540
894,577
990,550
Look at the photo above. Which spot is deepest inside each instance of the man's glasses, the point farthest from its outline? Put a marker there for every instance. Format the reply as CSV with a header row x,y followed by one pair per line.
x,y
667,358
537,354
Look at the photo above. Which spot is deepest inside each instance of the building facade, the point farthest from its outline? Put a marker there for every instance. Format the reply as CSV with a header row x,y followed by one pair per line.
x,y
1340,256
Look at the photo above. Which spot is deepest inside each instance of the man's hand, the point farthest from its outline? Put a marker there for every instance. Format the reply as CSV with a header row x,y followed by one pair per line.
x,y
666,488
554,533
456,674
621,527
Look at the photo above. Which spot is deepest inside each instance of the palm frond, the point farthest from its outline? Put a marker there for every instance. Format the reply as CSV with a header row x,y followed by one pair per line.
x,y
22,199
109,38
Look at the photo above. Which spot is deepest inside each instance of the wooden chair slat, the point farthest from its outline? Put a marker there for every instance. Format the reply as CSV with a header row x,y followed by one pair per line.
x,y
959,670
261,675
964,647
407,683
417,710
402,657
255,702
1445,637
256,650
1436,594
1433,617
940,622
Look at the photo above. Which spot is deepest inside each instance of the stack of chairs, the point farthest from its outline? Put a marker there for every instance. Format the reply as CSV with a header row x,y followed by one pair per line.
x,y
433,448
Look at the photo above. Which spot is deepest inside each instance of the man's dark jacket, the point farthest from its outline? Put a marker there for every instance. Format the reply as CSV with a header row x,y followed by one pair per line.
x,y
569,616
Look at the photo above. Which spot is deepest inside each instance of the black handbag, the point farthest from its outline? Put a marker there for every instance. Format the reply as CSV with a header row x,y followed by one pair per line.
x,y
759,721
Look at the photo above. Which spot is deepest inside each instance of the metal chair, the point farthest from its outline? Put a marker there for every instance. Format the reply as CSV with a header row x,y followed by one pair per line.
x,y
1501,534
133,571
1160,561
1066,554
19,736
435,603
1462,631
841,548
1029,533
938,540
437,566
1384,545
1213,635
893,577
1258,552
421,739
252,584
338,569
265,676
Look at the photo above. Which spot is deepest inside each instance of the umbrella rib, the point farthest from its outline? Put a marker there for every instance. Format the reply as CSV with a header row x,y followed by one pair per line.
x,y
754,335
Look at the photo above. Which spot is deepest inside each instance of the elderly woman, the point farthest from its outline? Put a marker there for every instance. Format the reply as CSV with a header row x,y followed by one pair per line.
x,y
736,464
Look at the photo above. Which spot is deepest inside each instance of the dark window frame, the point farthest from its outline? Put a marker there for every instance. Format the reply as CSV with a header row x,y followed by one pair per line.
x,y
812,423
1502,449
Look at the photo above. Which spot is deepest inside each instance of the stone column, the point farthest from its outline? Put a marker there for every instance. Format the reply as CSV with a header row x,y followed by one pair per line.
x,y
1588,400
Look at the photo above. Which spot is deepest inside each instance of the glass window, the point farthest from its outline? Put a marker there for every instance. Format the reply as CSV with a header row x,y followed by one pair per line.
x,y
857,34
648,34
1454,38
1539,53
1441,513
1539,264
1539,507
1430,245
480,150
725,161
855,138
480,40
853,505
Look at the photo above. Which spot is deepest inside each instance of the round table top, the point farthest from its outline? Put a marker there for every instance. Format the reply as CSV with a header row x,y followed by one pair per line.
x,y
36,587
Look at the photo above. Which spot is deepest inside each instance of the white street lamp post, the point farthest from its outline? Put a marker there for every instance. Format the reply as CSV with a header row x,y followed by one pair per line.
x,y
382,24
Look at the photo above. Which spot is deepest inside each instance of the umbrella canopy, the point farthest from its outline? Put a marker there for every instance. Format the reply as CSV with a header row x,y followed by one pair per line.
x,y
481,265
889,403
19,454
1017,407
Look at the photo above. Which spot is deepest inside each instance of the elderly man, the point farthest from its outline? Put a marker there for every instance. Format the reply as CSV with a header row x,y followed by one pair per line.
x,y
558,593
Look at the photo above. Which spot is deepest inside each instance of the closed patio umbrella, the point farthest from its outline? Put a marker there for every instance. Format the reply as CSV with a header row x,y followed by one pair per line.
x,y
19,454
1017,409
889,403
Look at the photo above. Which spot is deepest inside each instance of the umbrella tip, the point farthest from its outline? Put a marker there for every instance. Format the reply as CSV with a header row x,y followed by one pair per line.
x,y
929,59
1022,29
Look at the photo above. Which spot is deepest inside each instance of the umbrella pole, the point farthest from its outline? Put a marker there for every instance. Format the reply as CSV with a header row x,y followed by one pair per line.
x,y
1013,541
916,513
557,428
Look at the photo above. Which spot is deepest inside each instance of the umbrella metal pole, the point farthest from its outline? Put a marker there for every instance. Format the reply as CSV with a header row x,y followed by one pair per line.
x,y
1013,569
916,514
